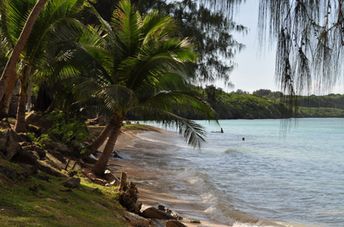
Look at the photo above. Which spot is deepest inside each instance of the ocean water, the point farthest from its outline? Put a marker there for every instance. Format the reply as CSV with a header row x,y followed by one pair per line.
x,y
285,171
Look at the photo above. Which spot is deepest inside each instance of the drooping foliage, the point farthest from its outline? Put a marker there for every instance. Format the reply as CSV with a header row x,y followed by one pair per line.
x,y
310,39
209,26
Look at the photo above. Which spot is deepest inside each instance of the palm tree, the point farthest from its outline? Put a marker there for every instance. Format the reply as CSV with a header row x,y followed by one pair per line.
x,y
9,77
47,28
140,68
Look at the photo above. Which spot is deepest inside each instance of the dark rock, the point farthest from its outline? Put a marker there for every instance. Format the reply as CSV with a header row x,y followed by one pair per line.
x,y
44,167
59,147
174,223
161,207
26,157
11,143
136,220
129,199
58,156
153,212
72,183
34,148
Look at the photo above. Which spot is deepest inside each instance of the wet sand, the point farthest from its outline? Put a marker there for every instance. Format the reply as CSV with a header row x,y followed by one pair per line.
x,y
141,161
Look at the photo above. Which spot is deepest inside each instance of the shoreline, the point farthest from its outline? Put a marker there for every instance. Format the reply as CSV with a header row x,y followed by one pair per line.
x,y
141,160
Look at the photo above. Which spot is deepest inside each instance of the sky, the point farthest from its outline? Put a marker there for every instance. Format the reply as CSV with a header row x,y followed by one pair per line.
x,y
255,65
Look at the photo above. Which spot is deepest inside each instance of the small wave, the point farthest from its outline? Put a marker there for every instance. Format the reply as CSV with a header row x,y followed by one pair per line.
x,y
236,150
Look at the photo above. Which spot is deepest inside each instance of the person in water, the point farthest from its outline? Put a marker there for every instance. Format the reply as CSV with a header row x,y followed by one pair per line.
x,y
221,130
243,139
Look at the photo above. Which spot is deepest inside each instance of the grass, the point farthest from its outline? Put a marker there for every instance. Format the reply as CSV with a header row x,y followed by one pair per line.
x,y
38,202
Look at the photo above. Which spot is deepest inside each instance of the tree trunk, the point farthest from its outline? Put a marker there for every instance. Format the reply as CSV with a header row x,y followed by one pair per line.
x,y
20,125
100,165
6,102
100,140
9,76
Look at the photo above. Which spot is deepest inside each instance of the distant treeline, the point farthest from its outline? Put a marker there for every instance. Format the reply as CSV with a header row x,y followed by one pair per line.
x,y
266,104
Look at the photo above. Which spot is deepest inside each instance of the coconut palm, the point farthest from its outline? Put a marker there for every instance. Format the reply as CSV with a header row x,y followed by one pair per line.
x,y
56,14
9,77
140,67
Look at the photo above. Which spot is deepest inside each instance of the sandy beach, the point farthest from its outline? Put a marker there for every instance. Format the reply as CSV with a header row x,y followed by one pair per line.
x,y
142,159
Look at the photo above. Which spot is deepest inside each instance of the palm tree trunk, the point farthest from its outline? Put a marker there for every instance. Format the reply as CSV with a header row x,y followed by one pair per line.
x,y
20,125
9,76
5,102
100,140
100,165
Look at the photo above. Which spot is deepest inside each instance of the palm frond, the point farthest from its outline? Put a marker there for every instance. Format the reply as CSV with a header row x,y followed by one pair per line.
x,y
180,100
193,133
126,22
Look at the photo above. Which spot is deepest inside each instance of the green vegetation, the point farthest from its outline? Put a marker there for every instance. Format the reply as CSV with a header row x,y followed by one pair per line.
x,y
119,60
69,130
265,104
43,201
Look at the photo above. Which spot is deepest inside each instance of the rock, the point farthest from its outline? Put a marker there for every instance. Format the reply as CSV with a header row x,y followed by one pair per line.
x,y
137,220
161,207
72,183
58,156
129,199
32,147
12,146
60,147
26,157
174,223
43,166
153,212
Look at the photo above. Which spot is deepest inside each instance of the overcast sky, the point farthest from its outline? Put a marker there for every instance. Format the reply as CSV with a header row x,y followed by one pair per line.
x,y
255,68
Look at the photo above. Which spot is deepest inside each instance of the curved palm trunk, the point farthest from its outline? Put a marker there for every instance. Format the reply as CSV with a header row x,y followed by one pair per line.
x,y
100,140
100,165
20,125
9,76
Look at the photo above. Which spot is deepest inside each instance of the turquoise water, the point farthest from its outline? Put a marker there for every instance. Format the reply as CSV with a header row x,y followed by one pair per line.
x,y
283,171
